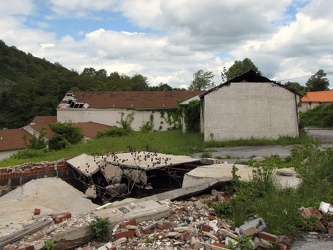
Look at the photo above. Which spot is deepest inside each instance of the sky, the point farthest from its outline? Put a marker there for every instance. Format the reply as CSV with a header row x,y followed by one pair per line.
x,y
167,41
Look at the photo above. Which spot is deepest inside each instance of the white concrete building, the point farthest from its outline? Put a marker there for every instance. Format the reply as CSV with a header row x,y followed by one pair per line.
x,y
156,108
249,106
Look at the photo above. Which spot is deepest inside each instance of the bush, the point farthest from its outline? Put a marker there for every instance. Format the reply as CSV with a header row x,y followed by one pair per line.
x,y
100,228
58,142
67,131
113,132
320,116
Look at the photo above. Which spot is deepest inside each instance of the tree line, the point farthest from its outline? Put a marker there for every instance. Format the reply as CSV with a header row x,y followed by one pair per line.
x,y
31,86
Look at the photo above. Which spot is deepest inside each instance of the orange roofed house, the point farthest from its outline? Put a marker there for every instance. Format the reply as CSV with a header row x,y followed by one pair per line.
x,y
158,109
314,99
11,140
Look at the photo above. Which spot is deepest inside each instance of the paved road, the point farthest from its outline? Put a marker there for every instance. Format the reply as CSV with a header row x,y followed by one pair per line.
x,y
323,135
245,153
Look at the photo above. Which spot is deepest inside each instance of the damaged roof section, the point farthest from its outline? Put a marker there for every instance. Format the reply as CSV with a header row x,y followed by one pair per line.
x,y
116,174
126,99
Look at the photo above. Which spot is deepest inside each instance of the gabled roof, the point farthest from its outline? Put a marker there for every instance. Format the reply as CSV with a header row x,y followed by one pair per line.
x,y
88,129
250,76
131,99
12,139
40,122
318,96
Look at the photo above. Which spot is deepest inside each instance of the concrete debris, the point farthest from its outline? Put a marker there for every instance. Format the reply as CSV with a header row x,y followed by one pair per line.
x,y
115,175
48,195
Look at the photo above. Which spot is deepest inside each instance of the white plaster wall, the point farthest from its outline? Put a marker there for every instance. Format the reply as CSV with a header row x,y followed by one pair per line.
x,y
245,109
112,116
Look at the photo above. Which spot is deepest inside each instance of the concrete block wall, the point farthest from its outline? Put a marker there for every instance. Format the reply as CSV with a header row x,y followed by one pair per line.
x,y
247,109
13,177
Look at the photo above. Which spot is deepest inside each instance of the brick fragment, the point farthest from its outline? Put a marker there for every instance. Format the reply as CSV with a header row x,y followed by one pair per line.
x,y
129,222
61,217
267,236
205,228
37,211
307,212
281,246
211,217
219,245
186,235
125,234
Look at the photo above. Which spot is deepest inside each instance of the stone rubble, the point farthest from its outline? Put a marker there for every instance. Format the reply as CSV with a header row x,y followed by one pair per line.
x,y
190,225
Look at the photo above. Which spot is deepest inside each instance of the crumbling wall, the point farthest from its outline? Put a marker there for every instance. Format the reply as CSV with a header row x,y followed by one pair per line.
x,y
15,176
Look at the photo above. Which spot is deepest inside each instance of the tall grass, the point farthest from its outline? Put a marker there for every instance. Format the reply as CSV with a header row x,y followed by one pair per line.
x,y
282,140
168,142
263,197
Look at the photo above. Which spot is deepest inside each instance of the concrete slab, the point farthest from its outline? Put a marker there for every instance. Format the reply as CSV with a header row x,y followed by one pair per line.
x,y
223,173
85,164
139,210
216,172
147,160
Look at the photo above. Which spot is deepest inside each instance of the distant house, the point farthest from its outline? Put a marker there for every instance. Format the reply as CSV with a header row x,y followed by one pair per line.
x,y
11,140
156,108
87,129
314,99
249,106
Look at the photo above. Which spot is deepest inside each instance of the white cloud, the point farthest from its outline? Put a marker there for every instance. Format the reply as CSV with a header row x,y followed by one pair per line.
x,y
175,38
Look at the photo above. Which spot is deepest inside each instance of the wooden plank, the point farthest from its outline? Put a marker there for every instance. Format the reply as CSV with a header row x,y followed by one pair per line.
x,y
23,232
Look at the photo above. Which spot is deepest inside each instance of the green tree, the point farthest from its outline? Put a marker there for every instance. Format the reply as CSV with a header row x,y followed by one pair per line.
x,y
37,141
66,134
318,82
295,86
238,68
192,116
202,80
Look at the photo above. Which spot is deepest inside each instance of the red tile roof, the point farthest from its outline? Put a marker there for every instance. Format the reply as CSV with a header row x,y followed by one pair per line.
x,y
318,96
12,139
134,99
40,122
90,129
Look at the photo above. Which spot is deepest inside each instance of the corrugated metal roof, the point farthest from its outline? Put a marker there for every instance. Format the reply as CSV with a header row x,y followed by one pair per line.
x,y
133,99
318,96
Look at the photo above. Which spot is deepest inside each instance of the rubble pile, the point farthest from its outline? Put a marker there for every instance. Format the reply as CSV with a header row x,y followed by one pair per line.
x,y
191,224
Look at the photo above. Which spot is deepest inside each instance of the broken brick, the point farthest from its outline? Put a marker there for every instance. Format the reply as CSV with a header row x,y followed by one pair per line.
x,y
60,217
267,236
219,245
211,217
281,246
307,212
129,222
37,211
125,234
205,228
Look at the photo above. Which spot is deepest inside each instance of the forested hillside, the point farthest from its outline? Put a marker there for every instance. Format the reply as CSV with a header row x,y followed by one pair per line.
x,y
31,86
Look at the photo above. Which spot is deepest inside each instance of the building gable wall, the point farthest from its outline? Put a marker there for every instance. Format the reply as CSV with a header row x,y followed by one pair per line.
x,y
250,110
